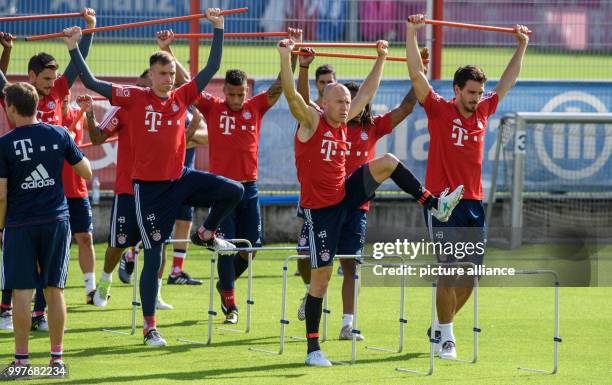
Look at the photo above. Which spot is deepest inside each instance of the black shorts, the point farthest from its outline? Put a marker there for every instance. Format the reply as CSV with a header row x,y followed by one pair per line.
x,y
80,215
36,255
325,226
123,226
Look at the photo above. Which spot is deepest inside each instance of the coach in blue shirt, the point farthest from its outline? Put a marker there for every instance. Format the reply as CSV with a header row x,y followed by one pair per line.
x,y
34,215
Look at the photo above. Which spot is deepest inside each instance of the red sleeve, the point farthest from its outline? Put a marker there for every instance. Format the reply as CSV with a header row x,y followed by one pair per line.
x,y
260,102
123,95
382,125
187,93
433,103
488,103
110,122
60,88
206,102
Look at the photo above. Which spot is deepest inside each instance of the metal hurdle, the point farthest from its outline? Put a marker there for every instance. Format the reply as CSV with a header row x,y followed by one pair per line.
x,y
135,302
250,302
326,310
556,338
355,330
432,339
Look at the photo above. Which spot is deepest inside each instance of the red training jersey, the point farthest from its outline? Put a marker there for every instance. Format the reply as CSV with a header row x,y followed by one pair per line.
x,y
50,106
361,142
233,137
456,145
320,164
115,123
74,185
157,129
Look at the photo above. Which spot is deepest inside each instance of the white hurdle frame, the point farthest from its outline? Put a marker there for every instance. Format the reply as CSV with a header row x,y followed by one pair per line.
x,y
556,338
211,312
135,302
432,340
355,330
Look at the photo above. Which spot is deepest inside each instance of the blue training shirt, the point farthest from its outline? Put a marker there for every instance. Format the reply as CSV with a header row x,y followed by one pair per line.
x,y
32,158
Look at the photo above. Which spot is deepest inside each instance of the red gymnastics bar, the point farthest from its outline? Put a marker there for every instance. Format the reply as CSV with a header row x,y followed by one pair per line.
x,y
86,145
137,24
231,34
470,26
338,45
40,17
348,56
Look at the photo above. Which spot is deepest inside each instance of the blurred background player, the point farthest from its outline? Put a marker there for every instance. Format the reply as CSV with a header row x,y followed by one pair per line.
x,y
34,216
452,160
42,74
234,129
75,189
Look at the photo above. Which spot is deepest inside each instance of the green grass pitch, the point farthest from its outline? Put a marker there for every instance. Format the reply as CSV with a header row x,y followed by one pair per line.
x,y
516,331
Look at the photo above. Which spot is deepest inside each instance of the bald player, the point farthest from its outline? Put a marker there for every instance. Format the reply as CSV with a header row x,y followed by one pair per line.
x,y
327,195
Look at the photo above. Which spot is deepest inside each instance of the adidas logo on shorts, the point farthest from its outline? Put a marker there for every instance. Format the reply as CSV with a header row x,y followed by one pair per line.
x,y
37,179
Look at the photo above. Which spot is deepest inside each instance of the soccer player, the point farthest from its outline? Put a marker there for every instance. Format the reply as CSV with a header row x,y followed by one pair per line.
x,y
161,183
324,75
234,129
327,196
42,74
182,225
363,131
457,131
124,231
75,188
34,216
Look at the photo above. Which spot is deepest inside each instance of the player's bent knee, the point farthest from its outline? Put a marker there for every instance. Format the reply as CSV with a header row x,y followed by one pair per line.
x,y
390,161
235,190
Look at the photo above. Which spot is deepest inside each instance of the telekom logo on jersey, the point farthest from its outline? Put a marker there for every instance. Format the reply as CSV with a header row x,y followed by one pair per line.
x,y
461,134
227,123
328,148
23,147
153,120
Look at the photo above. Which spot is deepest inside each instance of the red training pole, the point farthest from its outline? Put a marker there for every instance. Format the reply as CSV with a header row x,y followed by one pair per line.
x,y
348,55
137,24
230,34
470,26
41,17
338,45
